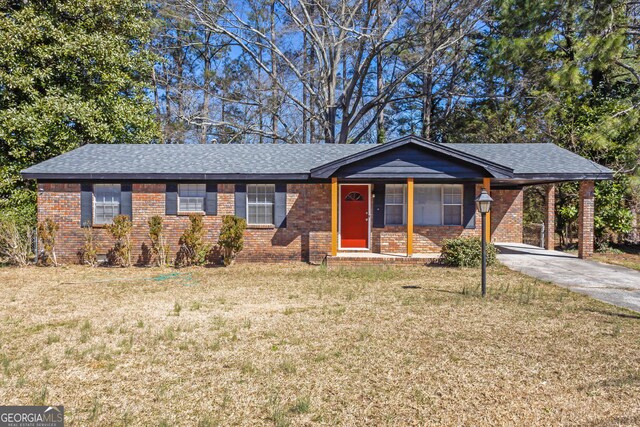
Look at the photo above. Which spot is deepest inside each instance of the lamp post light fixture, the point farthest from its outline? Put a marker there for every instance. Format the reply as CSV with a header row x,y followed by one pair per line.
x,y
483,203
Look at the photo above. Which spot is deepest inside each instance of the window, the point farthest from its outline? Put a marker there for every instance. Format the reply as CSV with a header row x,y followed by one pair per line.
x,y
260,199
452,204
106,203
354,196
436,204
394,204
427,204
433,204
191,197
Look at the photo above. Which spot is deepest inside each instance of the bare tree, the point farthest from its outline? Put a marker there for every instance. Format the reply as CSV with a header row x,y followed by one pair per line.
x,y
346,41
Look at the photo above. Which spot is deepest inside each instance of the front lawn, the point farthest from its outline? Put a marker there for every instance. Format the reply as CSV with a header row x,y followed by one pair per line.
x,y
298,345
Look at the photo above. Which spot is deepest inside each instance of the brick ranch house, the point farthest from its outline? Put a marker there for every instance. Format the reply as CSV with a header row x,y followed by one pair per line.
x,y
312,203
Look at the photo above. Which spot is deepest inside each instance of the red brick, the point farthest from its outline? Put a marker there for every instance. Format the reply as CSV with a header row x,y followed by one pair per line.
x,y
307,236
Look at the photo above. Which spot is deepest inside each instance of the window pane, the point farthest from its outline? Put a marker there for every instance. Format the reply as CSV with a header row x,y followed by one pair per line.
x,y
394,214
260,200
452,194
106,202
192,190
252,217
452,215
394,204
191,197
427,204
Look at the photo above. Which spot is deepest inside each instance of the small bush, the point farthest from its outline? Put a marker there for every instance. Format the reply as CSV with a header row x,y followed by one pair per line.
x,y
466,252
47,233
159,245
193,249
89,253
15,241
120,230
231,238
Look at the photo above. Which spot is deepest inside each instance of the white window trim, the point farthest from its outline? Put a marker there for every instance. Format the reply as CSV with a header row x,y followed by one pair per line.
x,y
273,206
204,200
404,206
95,202
443,204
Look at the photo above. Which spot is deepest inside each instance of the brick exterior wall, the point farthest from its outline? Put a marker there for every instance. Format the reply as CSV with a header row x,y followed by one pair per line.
x,y
585,219
506,215
307,236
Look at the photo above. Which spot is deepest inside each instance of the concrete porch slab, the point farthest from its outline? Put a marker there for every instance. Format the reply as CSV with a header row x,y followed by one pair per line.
x,y
369,258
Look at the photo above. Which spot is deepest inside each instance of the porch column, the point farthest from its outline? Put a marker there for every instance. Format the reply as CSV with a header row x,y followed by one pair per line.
x,y
334,216
409,216
550,217
486,184
585,219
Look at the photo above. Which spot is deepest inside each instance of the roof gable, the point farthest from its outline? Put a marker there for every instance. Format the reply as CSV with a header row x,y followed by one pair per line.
x,y
411,157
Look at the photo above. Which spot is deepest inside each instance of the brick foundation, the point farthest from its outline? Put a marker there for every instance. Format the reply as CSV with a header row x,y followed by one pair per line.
x,y
307,236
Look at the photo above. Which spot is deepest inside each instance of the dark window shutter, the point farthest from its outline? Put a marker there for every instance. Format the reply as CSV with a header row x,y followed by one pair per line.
x,y
86,204
469,206
241,200
280,206
125,200
211,200
171,199
378,205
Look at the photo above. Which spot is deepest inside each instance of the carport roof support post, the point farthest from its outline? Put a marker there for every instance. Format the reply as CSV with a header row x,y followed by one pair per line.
x,y
586,219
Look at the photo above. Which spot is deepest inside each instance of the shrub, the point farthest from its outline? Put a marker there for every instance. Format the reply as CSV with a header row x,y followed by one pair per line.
x,y
231,238
159,245
15,241
47,233
193,249
466,252
89,253
120,230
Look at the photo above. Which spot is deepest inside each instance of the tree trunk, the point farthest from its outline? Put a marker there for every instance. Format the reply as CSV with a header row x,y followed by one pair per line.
x,y
380,132
274,75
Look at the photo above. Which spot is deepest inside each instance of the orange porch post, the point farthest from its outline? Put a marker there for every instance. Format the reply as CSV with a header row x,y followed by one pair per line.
x,y
334,216
409,216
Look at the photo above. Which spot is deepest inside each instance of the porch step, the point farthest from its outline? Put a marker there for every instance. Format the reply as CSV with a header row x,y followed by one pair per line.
x,y
369,258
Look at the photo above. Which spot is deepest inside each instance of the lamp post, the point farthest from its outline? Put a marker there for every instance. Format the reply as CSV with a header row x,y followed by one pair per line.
x,y
483,202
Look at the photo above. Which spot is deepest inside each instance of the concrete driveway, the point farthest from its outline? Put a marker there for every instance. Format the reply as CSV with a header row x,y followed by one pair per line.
x,y
609,283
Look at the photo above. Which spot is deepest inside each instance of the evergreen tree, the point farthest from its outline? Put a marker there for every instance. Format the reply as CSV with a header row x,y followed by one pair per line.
x,y
72,72
567,73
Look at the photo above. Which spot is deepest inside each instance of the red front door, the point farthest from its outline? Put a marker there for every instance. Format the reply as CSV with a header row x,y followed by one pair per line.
x,y
354,216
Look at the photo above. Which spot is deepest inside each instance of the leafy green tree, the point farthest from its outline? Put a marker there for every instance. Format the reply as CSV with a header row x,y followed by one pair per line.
x,y
72,72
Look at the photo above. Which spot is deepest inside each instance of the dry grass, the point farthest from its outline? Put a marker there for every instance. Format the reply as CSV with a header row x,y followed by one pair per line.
x,y
299,345
626,256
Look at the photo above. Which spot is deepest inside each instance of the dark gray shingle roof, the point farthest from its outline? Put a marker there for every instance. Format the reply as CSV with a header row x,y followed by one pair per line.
x,y
292,161
532,158
194,159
